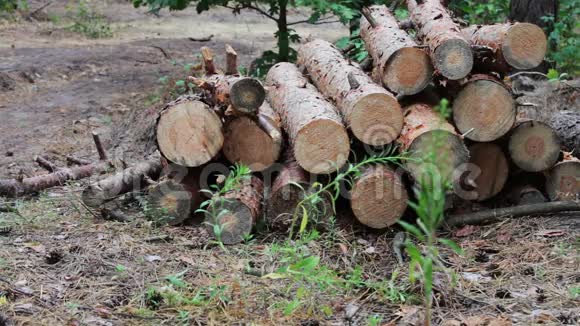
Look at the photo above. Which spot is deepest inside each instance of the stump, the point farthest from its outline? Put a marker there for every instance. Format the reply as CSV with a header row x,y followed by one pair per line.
x,y
534,146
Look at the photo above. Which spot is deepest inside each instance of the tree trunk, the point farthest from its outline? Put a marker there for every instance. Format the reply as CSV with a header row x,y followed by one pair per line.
x,y
450,52
255,142
534,146
399,64
173,201
131,179
283,32
519,45
484,109
16,187
425,132
379,197
372,113
533,11
563,180
189,132
493,170
235,213
309,120
243,94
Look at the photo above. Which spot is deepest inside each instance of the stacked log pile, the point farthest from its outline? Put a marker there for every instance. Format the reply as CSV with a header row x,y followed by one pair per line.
x,y
305,121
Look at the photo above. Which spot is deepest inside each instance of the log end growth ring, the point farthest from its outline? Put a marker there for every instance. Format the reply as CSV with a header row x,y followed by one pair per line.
x,y
408,71
172,202
247,95
524,46
377,119
484,110
534,146
322,146
453,59
563,182
189,134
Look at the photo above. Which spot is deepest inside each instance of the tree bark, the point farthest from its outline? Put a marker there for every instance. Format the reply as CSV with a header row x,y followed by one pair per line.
x,y
189,132
484,109
563,180
173,201
534,146
235,213
425,132
378,197
372,113
399,64
519,45
255,142
131,179
493,170
450,52
16,188
309,120
533,11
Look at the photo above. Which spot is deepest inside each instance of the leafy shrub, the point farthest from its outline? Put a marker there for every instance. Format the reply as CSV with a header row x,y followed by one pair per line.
x,y
564,38
90,23
481,12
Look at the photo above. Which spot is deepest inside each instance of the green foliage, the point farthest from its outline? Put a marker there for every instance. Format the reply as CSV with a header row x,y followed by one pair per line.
x,y
564,37
481,12
89,23
8,6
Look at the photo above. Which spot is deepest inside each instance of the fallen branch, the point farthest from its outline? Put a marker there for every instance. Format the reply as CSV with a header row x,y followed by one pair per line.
x,y
46,164
201,39
493,215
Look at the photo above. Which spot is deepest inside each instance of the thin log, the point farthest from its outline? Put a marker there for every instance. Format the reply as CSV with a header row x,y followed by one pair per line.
x,y
130,179
484,110
99,146
231,61
208,63
254,142
46,164
309,120
399,64
498,214
16,187
372,113
534,146
450,51
369,17
236,212
173,201
72,160
563,180
519,45
244,94
378,197
189,132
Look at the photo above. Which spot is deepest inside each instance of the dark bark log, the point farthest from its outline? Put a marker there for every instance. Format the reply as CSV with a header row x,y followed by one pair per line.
x,y
532,11
372,113
243,94
399,64
99,145
46,164
309,120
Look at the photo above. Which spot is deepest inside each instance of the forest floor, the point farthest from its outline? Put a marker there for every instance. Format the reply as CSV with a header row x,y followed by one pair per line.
x,y
60,264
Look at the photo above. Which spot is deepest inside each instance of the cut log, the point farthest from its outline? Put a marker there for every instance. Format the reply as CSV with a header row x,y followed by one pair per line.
x,y
563,180
450,52
254,142
534,146
173,201
19,187
425,133
315,129
372,113
484,109
131,179
399,64
525,195
235,213
189,132
519,45
244,94
378,197
493,170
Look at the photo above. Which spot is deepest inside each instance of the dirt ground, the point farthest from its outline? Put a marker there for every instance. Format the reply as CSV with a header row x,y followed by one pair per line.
x,y
61,264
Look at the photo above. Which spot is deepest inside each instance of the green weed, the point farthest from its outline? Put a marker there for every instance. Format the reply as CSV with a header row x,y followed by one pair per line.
x,y
88,22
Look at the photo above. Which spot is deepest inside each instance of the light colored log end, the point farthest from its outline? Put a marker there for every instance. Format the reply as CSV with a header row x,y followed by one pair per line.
x,y
408,71
563,181
171,202
534,146
524,46
233,219
376,119
322,146
484,110
453,59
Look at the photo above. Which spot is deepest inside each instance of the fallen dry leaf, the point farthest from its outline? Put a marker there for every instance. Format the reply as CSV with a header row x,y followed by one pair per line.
x,y
466,231
504,237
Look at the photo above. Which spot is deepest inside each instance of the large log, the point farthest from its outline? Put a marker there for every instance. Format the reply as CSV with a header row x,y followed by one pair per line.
x,y
172,201
519,45
189,132
255,142
430,139
378,197
399,64
484,110
315,129
19,187
236,212
493,170
372,113
450,52
563,180
534,146
130,179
